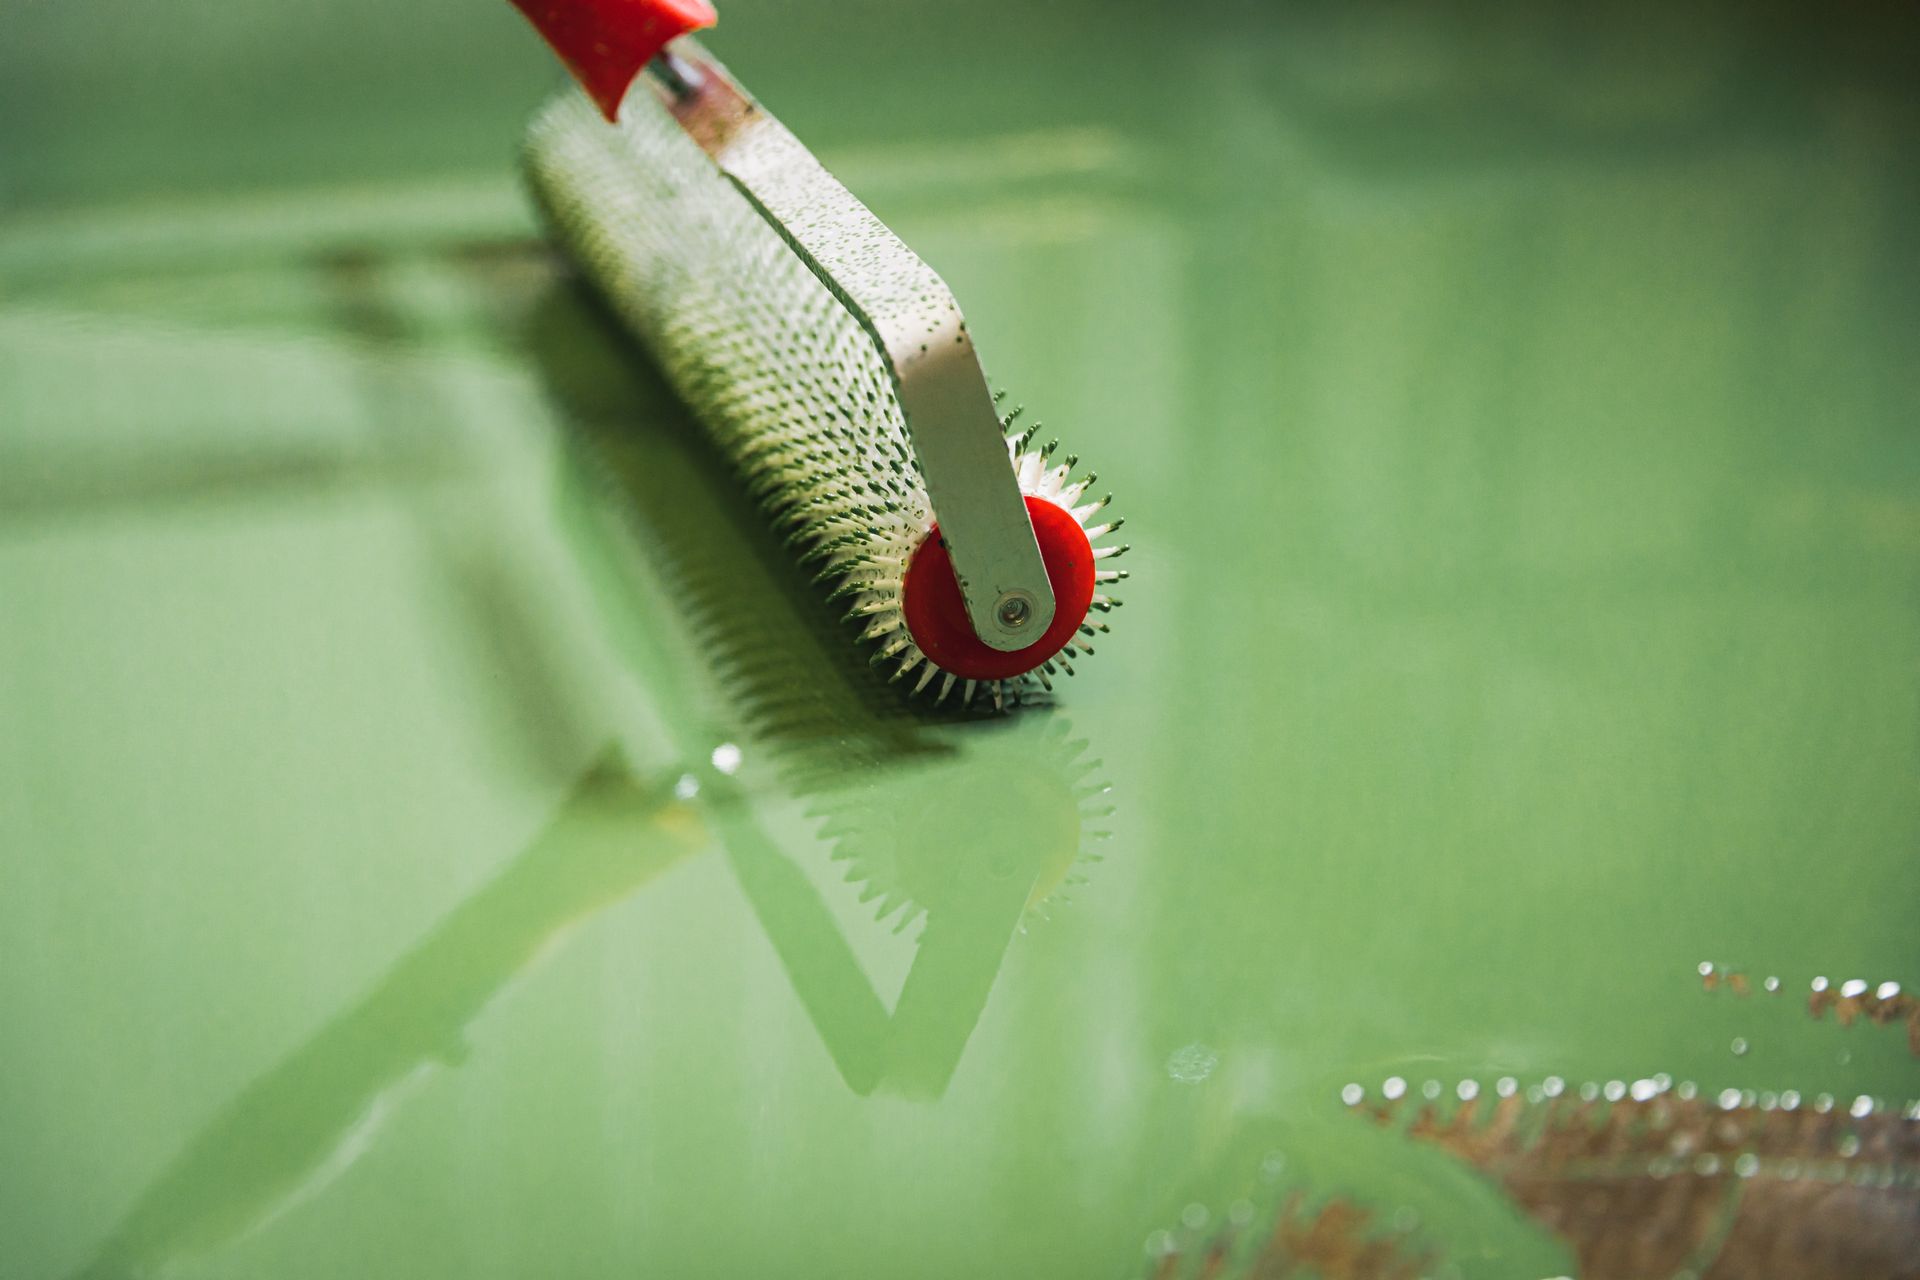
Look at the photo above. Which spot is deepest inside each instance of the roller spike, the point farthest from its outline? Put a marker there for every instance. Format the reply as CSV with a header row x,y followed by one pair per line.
x,y
827,575
847,591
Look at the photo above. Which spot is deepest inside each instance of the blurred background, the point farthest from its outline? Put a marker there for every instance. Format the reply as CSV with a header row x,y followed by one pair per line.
x,y
110,99
1485,846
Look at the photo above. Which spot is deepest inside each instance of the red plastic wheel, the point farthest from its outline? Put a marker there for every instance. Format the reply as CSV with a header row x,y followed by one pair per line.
x,y
936,613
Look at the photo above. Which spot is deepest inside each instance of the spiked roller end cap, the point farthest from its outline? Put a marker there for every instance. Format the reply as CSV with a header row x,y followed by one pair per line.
x,y
936,614
606,42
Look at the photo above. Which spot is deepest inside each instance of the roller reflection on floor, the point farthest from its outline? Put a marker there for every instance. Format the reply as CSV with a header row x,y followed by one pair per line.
x,y
965,824
304,1122
926,848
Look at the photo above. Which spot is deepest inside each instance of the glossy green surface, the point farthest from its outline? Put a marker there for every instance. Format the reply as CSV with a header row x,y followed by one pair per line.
x,y
1519,433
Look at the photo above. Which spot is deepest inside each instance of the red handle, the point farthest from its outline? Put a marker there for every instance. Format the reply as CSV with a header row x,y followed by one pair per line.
x,y
606,42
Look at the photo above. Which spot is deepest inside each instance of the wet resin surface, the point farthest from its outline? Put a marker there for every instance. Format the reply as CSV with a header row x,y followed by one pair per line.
x,y
445,837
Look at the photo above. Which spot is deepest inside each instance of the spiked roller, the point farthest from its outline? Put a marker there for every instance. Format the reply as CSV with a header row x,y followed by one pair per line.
x,y
828,363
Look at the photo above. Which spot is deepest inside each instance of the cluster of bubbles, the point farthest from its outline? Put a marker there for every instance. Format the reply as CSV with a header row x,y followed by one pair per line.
x,y
1822,991
1394,1088
1850,999
1283,1216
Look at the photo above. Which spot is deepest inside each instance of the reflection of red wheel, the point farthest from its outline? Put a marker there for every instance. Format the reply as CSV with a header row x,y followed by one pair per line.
x,y
606,42
937,615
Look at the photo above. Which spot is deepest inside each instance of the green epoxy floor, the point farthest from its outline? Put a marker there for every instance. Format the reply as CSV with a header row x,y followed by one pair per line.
x,y
1519,436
